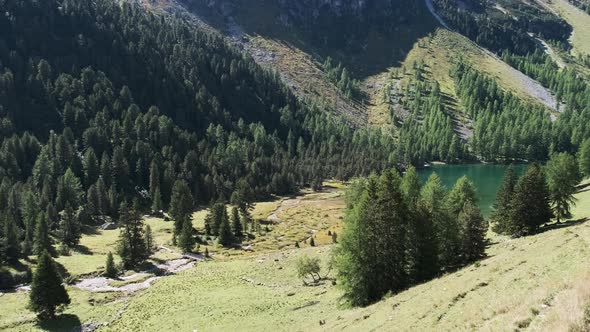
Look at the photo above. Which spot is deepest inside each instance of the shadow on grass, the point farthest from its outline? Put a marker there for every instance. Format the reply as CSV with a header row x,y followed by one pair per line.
x,y
566,224
65,322
84,250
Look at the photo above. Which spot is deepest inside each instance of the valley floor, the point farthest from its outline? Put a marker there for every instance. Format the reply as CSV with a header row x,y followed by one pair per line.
x,y
535,283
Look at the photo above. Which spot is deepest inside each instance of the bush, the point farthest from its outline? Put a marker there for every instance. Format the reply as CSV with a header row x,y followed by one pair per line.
x,y
308,267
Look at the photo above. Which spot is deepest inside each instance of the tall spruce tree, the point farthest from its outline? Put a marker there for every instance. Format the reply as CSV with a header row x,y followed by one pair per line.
x,y
391,223
500,218
226,238
69,227
42,242
47,292
530,204
236,222
10,246
131,246
563,177
186,241
355,258
473,232
181,205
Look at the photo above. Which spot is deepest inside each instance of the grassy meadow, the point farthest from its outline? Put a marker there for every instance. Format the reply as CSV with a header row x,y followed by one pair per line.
x,y
534,283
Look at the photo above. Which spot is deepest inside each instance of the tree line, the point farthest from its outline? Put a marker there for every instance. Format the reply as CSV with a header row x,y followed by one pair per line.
x,y
507,127
399,233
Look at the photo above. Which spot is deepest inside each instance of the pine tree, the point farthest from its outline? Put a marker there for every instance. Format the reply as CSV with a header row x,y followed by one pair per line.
x,y
131,246
225,235
502,207
69,228
530,204
356,256
186,241
91,167
157,204
120,168
181,205
563,176
10,246
69,190
236,222
245,217
47,292
462,192
411,187
42,242
110,269
390,232
473,232
149,240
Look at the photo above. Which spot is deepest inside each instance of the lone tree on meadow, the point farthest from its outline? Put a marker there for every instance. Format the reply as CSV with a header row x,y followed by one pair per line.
x,y
110,269
132,247
47,292
186,241
309,268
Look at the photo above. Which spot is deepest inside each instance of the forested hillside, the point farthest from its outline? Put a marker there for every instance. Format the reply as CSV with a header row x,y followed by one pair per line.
x,y
504,24
103,103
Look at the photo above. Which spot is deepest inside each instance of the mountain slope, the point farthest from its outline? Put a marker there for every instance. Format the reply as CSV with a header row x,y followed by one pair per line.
x,y
537,283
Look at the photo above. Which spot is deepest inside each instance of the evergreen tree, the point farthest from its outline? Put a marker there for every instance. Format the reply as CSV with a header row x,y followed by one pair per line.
x,y
311,242
422,262
69,190
181,205
502,207
411,187
91,167
473,232
563,176
157,204
530,204
186,241
390,233
226,237
42,242
47,292
236,222
462,192
149,240
131,246
356,256
10,246
110,269
69,228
